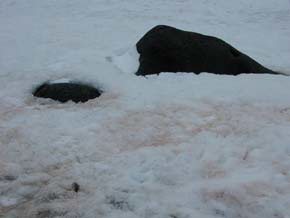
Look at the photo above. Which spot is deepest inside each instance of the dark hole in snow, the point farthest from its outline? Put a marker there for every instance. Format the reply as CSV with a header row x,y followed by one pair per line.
x,y
63,92
75,187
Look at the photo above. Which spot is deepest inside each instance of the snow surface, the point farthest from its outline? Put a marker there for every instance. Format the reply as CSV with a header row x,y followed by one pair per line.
x,y
168,146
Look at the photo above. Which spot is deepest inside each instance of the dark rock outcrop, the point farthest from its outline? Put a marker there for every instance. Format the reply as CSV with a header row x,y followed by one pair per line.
x,y
64,92
167,49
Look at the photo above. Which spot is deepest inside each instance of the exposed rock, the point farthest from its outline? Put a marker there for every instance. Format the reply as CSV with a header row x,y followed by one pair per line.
x,y
167,49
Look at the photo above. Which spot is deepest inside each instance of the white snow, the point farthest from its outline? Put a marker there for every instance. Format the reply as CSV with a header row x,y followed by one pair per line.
x,y
169,146
62,80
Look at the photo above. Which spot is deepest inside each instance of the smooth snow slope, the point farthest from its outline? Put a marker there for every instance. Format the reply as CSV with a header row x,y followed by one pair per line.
x,y
168,146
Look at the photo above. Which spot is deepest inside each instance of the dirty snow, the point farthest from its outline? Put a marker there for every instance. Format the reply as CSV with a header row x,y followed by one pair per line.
x,y
168,146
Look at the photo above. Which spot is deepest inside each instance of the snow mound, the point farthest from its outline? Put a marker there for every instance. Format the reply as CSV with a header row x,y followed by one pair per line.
x,y
127,60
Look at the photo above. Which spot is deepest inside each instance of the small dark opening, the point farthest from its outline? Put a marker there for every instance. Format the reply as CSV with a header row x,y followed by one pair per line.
x,y
63,92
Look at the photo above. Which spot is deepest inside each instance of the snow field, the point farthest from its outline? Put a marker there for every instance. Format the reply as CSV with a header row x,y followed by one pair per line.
x,y
174,145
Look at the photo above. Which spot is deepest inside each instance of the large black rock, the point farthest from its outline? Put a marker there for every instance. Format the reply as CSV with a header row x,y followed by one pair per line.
x,y
64,92
167,49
